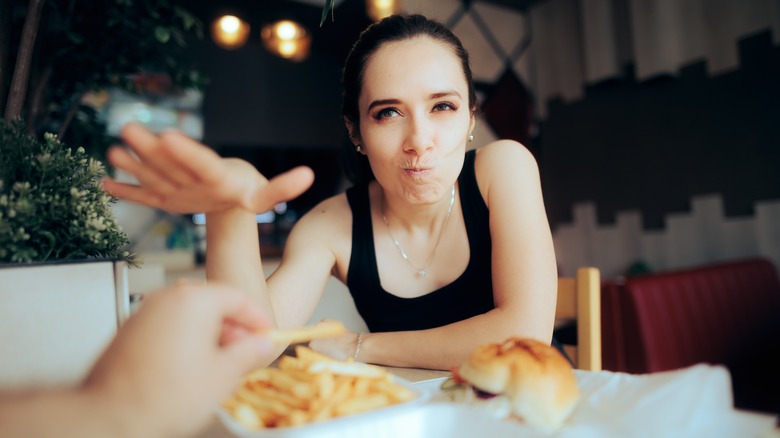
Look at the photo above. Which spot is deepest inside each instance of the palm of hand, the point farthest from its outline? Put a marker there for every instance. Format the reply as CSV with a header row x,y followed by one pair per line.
x,y
180,175
229,183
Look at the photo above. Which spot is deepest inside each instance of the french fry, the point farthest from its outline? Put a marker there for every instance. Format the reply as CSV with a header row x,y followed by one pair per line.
x,y
260,403
288,399
288,383
360,404
309,388
247,416
326,385
287,363
306,355
361,387
347,369
259,375
324,329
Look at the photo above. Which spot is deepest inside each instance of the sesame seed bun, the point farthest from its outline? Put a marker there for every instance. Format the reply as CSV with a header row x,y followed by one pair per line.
x,y
537,379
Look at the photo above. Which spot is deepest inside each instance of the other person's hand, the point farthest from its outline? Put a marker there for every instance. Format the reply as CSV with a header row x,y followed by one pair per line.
x,y
177,174
182,353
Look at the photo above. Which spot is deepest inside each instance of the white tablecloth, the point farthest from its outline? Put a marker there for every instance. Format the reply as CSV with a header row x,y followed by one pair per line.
x,y
692,402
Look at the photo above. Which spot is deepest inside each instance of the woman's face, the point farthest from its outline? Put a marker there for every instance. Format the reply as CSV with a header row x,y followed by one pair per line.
x,y
415,118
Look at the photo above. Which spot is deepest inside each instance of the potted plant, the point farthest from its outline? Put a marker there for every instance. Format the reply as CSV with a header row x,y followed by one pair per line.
x,y
63,270
51,204
63,266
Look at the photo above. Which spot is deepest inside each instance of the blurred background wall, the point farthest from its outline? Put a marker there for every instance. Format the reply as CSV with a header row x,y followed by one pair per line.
x,y
655,122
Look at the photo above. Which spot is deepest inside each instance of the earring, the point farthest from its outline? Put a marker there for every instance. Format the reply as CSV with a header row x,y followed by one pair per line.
x,y
471,137
358,149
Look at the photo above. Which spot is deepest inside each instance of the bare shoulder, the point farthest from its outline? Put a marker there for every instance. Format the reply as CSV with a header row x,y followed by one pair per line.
x,y
504,161
322,235
331,216
503,153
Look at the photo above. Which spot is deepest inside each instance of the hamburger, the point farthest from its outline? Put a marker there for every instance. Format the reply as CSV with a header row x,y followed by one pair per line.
x,y
519,378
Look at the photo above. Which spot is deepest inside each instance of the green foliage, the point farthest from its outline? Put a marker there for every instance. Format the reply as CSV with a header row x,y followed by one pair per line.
x,y
99,43
90,45
329,6
89,131
52,206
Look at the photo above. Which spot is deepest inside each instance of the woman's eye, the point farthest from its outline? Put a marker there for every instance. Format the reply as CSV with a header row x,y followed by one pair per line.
x,y
444,106
386,113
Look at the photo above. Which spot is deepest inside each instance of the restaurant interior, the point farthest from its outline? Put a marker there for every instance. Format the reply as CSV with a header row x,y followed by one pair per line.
x,y
655,125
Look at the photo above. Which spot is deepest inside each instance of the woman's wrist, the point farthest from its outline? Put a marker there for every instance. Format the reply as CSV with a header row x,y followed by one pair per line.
x,y
358,344
230,217
231,239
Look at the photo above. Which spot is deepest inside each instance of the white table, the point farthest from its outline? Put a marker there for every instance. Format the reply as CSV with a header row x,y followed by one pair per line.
x,y
693,402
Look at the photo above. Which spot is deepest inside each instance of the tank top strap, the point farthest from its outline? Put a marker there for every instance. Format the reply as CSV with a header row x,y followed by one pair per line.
x,y
363,272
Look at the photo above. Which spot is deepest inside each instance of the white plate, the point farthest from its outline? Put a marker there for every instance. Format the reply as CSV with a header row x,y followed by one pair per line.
x,y
411,420
358,423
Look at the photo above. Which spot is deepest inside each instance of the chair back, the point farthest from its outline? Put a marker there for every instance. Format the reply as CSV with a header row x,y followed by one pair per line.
x,y
579,300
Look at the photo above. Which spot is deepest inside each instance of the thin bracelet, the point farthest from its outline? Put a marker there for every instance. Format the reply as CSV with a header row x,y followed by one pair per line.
x,y
357,347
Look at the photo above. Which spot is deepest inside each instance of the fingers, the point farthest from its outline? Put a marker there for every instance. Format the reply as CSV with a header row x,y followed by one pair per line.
x,y
283,187
246,353
161,154
198,161
242,349
172,167
232,332
146,176
132,193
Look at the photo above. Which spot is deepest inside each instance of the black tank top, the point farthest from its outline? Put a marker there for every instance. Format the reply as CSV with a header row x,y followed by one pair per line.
x,y
469,295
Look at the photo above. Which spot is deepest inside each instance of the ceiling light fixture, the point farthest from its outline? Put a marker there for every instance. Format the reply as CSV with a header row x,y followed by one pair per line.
x,y
230,32
379,9
287,39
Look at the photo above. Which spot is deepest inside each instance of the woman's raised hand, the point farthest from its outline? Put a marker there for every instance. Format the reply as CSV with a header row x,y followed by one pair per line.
x,y
180,175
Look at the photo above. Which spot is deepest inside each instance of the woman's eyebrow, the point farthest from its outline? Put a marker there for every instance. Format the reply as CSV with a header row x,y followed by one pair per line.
x,y
446,93
383,102
433,96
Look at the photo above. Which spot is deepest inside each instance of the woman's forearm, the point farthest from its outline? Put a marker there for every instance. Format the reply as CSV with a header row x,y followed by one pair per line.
x,y
443,347
233,254
233,257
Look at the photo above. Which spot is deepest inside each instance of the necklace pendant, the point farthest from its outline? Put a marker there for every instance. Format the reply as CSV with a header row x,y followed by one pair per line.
x,y
421,272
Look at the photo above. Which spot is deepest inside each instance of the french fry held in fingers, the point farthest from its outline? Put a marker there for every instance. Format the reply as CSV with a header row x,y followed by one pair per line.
x,y
324,329
311,387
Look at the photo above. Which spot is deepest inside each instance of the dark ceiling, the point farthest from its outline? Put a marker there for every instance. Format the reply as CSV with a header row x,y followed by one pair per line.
x,y
521,5
336,35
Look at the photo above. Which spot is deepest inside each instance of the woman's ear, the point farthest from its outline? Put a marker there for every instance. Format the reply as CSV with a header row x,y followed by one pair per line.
x,y
354,135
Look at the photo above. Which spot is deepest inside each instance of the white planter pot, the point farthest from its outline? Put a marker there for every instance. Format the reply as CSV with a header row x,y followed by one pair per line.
x,y
56,319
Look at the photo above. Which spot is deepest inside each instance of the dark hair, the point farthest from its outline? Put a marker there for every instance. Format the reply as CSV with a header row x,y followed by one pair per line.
x,y
391,29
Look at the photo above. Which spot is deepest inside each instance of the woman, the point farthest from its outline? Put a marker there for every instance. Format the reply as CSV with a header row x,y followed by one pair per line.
x,y
442,250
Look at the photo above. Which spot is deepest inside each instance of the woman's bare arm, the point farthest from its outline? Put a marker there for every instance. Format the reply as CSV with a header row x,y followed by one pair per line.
x,y
180,175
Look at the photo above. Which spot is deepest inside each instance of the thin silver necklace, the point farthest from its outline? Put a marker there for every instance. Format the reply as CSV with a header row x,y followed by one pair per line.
x,y
421,271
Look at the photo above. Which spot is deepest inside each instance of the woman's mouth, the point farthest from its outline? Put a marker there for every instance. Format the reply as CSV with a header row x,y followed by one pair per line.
x,y
418,172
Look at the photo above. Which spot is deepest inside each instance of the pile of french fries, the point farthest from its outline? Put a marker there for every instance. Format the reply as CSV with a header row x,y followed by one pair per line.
x,y
311,387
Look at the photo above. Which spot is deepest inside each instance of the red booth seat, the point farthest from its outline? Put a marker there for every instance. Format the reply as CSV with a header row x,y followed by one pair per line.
x,y
725,313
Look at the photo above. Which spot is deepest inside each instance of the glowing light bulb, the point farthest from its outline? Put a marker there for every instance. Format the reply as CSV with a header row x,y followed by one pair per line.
x,y
287,39
230,32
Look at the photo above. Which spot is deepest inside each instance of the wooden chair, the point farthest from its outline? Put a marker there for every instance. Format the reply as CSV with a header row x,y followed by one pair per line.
x,y
579,299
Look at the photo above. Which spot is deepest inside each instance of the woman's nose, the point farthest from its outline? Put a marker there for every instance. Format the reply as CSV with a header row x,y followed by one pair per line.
x,y
420,136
